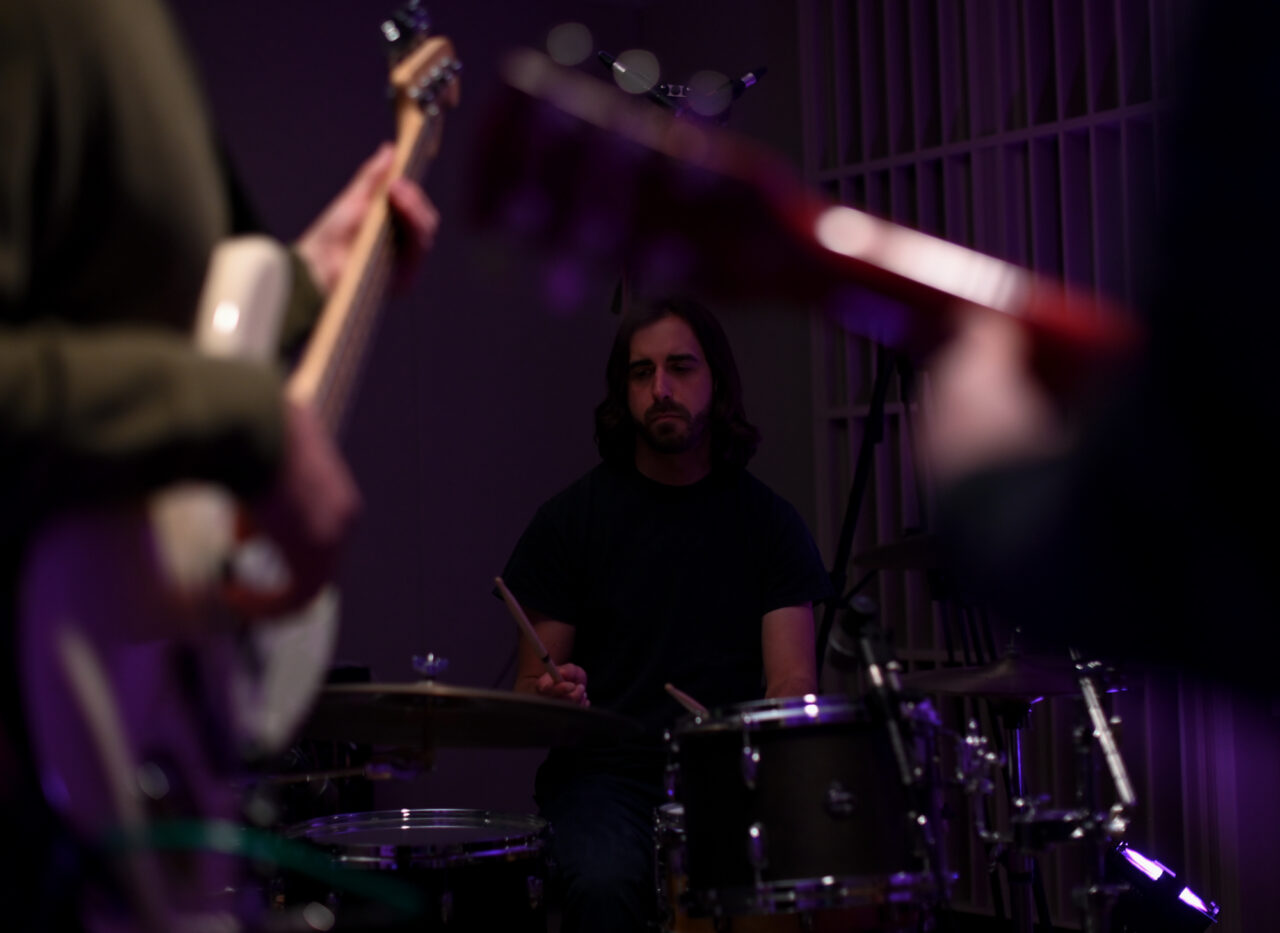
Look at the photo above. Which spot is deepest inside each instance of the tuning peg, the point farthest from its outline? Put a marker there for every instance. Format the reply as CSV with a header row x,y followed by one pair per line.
x,y
405,28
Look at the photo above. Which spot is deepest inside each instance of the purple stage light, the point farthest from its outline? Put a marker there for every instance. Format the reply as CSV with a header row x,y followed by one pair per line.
x,y
1191,899
1148,866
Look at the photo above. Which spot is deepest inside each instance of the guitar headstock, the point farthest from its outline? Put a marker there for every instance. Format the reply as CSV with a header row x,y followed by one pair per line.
x,y
424,68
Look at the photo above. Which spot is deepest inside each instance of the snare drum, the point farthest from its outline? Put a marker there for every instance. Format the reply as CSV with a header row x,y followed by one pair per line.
x,y
476,870
796,806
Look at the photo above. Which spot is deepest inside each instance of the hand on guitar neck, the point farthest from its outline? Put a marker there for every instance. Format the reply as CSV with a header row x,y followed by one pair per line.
x,y
326,245
309,511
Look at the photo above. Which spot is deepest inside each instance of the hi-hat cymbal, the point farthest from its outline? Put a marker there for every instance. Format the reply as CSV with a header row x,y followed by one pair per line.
x,y
1013,677
430,714
912,552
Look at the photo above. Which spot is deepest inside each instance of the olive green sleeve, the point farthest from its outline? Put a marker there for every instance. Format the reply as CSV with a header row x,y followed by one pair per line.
x,y
92,408
94,414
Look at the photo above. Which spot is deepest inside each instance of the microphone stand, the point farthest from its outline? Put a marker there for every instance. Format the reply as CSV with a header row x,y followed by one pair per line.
x,y
887,702
871,435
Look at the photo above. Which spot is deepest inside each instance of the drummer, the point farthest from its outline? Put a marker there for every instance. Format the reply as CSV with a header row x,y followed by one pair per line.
x,y
666,563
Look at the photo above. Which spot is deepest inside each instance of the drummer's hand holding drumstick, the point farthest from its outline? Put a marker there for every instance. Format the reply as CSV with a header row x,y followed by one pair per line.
x,y
572,685
536,672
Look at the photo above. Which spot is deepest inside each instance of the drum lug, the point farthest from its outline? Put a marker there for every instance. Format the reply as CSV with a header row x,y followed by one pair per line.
x,y
840,800
750,764
671,776
535,891
756,844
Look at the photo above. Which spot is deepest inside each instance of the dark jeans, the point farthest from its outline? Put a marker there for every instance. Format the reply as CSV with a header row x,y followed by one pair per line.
x,y
602,847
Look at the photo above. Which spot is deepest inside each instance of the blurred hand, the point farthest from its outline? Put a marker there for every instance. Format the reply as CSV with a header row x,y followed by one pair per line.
x,y
326,245
572,689
986,404
308,514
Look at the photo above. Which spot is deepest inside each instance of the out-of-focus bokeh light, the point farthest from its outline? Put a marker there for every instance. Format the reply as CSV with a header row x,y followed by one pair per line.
x,y
569,43
710,93
636,70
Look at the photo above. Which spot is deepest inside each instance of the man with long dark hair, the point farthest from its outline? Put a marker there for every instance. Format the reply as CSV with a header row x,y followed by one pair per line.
x,y
666,563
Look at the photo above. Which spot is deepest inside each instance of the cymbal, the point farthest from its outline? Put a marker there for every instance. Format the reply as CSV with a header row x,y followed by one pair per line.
x,y
1013,677
427,714
912,552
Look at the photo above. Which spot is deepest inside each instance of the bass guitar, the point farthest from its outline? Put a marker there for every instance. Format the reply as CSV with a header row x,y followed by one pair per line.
x,y
592,176
140,716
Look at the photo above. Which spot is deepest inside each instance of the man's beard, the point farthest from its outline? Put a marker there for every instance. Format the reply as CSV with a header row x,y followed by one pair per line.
x,y
673,436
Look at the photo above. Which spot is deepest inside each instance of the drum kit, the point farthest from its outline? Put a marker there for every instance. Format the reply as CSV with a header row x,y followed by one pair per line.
x,y
822,812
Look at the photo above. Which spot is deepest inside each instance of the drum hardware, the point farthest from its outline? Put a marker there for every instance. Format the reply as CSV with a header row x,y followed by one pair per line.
x,y
1035,827
756,846
750,761
1097,896
671,773
977,767
1107,899
840,801
887,363
898,713
1011,686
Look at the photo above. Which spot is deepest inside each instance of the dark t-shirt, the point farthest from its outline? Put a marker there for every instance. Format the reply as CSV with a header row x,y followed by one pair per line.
x,y
664,584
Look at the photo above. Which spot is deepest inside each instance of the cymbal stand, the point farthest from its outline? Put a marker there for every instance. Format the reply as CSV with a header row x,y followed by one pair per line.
x,y
1023,893
887,700
1097,897
871,435
1036,829
977,767
1008,719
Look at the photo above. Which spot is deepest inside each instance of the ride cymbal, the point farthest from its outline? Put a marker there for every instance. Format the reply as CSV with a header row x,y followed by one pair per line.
x,y
427,714
1012,677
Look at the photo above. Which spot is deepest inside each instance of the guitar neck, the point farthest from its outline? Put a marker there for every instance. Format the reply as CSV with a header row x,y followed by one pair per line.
x,y
328,373
712,212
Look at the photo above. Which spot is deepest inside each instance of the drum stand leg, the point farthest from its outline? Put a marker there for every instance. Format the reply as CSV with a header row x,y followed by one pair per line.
x,y
1026,884
997,889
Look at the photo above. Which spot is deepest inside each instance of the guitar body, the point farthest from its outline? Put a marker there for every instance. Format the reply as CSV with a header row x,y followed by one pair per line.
x,y
145,694
688,207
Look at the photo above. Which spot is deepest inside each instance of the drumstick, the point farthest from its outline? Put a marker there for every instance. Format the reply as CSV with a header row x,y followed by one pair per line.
x,y
526,626
687,701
